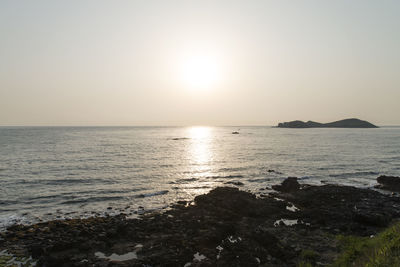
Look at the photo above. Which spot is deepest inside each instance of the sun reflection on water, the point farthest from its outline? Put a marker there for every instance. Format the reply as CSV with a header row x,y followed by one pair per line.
x,y
199,132
200,155
200,151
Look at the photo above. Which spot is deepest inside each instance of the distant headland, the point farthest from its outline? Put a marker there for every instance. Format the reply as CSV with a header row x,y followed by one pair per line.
x,y
347,123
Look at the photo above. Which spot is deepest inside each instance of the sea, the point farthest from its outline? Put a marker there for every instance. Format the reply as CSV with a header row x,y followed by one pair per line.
x,y
49,173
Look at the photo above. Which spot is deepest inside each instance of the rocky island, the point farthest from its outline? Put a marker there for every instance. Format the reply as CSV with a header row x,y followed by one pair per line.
x,y
347,123
295,225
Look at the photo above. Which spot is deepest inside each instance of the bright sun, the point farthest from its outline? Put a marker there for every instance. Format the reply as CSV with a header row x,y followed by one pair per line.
x,y
200,71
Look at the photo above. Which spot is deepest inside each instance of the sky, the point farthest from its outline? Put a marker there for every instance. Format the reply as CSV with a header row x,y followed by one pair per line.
x,y
198,62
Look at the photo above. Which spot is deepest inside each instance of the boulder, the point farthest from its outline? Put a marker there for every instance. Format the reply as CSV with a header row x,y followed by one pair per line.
x,y
289,185
391,183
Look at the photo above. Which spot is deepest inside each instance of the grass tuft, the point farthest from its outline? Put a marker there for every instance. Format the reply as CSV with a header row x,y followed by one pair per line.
x,y
382,250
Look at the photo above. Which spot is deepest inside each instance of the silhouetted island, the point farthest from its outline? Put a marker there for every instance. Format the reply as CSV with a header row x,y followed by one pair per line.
x,y
347,123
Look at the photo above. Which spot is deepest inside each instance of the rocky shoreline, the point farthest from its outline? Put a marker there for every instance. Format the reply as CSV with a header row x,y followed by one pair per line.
x,y
226,227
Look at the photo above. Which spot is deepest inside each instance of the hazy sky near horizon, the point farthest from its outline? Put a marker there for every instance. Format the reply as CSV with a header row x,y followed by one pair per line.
x,y
198,62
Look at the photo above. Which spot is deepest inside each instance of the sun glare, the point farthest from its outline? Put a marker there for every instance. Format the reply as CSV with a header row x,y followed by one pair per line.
x,y
199,132
201,72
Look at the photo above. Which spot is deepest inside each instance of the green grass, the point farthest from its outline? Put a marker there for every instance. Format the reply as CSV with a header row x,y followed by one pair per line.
x,y
308,258
304,264
382,250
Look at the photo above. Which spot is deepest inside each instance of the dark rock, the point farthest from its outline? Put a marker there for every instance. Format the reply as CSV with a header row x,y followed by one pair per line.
x,y
268,240
228,226
391,183
180,138
235,183
36,250
372,218
288,185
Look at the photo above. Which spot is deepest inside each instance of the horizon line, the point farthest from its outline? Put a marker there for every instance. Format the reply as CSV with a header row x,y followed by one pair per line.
x,y
192,125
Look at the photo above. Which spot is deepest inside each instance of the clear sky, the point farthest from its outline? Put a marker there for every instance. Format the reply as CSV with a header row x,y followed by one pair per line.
x,y
198,62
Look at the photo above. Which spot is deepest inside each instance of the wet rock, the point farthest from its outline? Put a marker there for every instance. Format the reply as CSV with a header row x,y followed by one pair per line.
x,y
344,207
269,241
235,183
391,183
372,218
36,250
289,185
228,226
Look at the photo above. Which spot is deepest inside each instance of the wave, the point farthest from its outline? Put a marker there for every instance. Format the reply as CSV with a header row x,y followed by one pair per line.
x,y
232,169
73,198
8,202
92,199
256,180
184,181
352,174
166,166
323,168
163,192
193,187
44,197
65,181
11,219
306,177
225,176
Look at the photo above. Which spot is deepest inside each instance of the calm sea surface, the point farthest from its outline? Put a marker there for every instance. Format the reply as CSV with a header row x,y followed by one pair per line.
x,y
60,172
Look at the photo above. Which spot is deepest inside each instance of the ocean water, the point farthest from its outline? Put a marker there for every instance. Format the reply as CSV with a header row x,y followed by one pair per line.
x,y
64,172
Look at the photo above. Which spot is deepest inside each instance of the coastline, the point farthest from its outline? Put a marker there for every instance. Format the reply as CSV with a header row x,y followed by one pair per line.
x,y
84,180
226,227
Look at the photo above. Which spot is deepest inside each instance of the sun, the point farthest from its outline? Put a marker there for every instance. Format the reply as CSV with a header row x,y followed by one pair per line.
x,y
201,71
